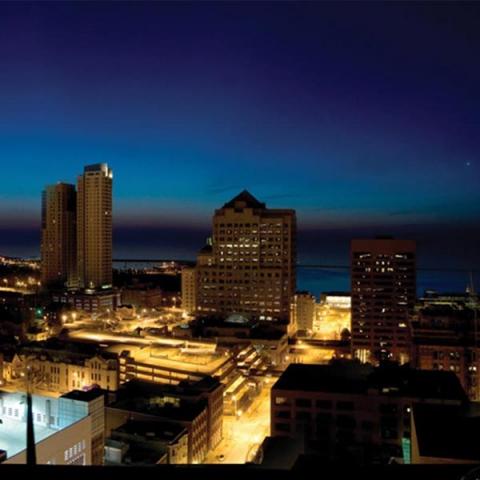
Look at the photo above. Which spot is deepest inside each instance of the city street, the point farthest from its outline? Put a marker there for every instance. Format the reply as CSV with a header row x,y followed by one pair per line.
x,y
242,435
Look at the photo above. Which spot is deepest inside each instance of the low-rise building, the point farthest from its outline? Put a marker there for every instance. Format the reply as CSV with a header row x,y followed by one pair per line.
x,y
59,367
90,403
236,330
142,296
303,312
91,302
446,337
133,453
349,409
162,437
326,319
63,430
196,406
445,434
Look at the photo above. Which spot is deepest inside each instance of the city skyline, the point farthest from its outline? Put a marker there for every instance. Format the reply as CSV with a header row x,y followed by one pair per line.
x,y
241,234
359,129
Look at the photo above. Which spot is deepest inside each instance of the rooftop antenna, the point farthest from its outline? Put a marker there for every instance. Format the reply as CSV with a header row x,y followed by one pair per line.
x,y
31,453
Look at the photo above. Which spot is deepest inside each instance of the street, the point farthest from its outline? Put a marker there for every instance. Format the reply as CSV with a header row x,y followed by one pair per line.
x,y
241,435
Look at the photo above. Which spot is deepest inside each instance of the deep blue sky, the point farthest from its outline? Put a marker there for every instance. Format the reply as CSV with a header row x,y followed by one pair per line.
x,y
363,117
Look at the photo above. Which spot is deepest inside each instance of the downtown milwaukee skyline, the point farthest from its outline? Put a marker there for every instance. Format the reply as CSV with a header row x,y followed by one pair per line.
x,y
339,114
241,234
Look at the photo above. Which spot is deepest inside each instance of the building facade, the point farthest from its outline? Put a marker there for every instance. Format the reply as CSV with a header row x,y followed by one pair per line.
x,y
90,403
59,372
63,436
303,311
195,406
94,227
189,290
91,302
356,408
159,437
58,246
445,337
142,296
383,289
251,267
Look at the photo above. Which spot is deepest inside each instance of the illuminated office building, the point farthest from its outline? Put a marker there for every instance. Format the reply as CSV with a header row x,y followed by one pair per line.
x,y
251,266
383,298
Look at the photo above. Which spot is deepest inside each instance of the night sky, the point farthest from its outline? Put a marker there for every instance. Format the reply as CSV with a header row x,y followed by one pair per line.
x,y
363,117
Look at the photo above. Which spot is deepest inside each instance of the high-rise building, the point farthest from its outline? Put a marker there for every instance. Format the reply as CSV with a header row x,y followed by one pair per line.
x,y
251,267
58,248
189,289
94,227
383,298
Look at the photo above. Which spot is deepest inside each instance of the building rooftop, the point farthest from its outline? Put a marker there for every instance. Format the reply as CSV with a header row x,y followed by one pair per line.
x,y
337,293
182,402
61,350
349,378
183,389
96,167
155,431
84,395
353,378
140,454
161,407
13,438
195,358
454,437
244,200
237,324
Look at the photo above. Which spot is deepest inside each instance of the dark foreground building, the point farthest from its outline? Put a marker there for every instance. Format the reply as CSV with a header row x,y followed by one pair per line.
x,y
354,411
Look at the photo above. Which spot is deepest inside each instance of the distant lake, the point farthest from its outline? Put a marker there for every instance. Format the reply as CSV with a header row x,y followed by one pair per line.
x,y
324,279
317,280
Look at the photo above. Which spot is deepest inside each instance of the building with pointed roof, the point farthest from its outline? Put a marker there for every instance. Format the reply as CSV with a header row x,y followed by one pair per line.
x,y
250,268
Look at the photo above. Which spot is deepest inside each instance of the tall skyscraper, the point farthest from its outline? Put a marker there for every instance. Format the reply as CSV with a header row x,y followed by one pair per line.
x,y
58,247
94,227
383,277
250,268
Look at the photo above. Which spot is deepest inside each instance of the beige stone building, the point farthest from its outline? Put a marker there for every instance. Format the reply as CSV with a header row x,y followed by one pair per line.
x,y
94,227
59,372
189,289
251,267
303,311
58,247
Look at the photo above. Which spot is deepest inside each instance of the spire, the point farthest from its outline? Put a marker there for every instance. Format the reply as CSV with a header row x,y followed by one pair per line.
x,y
31,454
